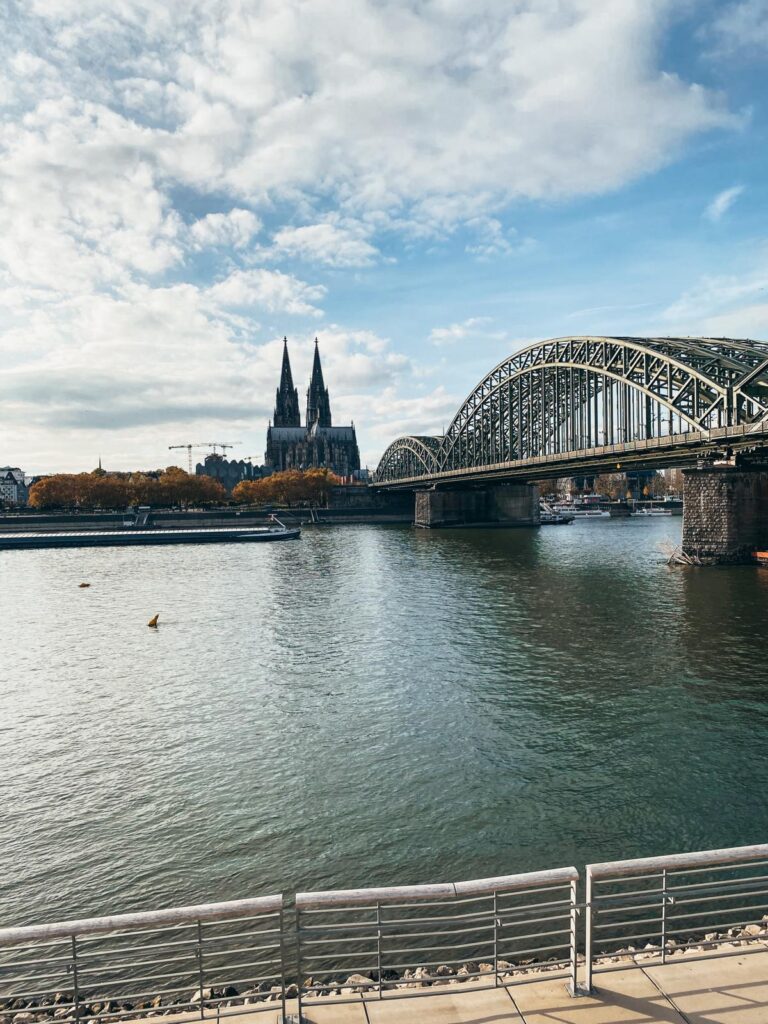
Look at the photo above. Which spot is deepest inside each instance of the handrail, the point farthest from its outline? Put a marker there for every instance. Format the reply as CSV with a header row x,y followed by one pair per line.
x,y
440,890
151,918
676,861
648,867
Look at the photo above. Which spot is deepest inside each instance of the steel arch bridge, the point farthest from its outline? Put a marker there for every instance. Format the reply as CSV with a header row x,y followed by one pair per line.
x,y
587,404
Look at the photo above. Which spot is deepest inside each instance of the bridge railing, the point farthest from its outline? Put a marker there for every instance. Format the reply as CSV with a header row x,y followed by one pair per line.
x,y
697,904
390,942
214,959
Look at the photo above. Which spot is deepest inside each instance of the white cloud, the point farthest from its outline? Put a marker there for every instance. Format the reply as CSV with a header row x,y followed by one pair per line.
x,y
447,100
267,289
235,228
712,295
491,239
458,331
741,26
325,243
395,416
722,202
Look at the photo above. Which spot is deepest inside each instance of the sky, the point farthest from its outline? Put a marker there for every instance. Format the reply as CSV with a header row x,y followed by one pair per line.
x,y
424,185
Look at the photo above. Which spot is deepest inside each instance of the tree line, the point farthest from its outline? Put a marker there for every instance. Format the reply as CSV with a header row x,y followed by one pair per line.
x,y
176,488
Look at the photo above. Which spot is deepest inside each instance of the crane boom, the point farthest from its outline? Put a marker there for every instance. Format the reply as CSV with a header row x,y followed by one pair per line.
x,y
203,444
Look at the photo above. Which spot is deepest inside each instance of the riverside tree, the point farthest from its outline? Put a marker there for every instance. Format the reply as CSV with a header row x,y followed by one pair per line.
x,y
291,487
117,490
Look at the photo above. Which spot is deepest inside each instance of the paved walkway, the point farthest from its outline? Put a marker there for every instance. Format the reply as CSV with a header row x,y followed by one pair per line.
x,y
721,990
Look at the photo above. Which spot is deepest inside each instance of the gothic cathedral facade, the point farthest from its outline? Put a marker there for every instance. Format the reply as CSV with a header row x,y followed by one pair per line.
x,y
318,443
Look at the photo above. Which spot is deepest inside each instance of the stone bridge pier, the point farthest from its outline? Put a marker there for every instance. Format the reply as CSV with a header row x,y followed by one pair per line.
x,y
512,504
725,513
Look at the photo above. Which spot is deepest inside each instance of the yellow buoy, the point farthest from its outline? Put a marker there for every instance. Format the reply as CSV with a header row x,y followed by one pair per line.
x,y
153,621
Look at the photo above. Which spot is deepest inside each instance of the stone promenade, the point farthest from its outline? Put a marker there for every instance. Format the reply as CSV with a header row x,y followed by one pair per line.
x,y
719,990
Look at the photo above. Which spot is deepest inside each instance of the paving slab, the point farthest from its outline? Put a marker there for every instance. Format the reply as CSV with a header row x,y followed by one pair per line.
x,y
340,1013
622,997
464,1006
720,990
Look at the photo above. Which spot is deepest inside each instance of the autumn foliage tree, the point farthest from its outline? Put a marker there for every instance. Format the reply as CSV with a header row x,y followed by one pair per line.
x,y
116,491
291,487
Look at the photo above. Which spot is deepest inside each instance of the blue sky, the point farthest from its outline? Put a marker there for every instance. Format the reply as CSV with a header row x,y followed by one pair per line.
x,y
426,185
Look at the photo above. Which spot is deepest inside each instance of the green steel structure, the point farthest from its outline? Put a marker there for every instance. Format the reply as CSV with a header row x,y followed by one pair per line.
x,y
592,404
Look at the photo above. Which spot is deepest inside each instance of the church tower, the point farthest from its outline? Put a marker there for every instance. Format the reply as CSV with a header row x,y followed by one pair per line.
x,y
287,399
318,402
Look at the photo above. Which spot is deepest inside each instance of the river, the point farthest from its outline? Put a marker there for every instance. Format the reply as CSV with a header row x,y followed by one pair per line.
x,y
370,705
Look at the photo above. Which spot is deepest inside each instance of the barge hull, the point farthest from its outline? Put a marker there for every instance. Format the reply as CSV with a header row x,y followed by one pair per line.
x,y
126,538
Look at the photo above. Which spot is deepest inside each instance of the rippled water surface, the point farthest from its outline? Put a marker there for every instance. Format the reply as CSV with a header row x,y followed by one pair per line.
x,y
370,705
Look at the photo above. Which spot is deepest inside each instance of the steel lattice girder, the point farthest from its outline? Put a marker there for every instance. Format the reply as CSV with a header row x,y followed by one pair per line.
x,y
561,395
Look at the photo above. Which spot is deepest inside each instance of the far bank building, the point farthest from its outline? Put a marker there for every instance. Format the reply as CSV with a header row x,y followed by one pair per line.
x,y
318,443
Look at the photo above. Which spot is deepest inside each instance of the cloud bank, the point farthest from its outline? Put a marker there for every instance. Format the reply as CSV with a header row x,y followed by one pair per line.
x,y
177,180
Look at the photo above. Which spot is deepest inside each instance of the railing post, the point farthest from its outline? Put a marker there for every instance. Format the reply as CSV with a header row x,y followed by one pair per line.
x,y
574,960
200,973
664,915
299,976
495,939
588,910
378,949
75,986
281,923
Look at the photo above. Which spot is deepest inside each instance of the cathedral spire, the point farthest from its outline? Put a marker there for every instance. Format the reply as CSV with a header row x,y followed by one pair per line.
x,y
318,402
287,397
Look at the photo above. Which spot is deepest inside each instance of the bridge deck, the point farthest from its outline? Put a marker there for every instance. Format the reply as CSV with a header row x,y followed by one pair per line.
x,y
675,450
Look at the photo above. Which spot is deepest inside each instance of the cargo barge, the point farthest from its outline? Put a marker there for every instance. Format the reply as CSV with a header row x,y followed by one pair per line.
x,y
124,538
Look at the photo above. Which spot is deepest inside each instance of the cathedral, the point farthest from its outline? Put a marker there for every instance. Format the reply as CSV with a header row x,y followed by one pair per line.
x,y
317,443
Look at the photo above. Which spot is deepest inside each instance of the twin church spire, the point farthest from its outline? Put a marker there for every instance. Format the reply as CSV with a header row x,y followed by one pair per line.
x,y
287,399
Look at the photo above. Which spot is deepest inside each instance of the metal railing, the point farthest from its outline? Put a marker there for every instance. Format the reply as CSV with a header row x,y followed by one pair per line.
x,y
656,907
227,959
214,959
385,943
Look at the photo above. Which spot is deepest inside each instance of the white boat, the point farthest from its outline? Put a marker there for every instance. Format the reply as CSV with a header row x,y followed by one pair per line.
x,y
651,512
581,512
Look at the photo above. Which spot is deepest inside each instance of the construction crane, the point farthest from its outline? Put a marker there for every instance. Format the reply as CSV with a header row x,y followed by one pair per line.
x,y
203,444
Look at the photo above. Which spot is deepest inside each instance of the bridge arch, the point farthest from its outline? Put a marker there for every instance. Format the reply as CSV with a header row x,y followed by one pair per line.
x,y
409,456
576,393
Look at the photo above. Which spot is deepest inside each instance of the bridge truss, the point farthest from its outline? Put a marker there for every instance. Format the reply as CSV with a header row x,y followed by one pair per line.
x,y
568,399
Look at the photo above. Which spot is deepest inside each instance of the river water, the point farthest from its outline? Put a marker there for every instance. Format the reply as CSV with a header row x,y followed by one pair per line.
x,y
370,705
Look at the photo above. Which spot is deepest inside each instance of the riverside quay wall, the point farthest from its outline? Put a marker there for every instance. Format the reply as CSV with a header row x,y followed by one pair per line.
x,y
725,518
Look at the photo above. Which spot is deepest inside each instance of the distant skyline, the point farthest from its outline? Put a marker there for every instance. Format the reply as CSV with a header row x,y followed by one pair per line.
x,y
424,185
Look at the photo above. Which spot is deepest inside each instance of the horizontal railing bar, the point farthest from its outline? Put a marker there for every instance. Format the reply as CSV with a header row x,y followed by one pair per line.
x,y
437,963
717,867
159,918
392,894
721,883
720,910
23,962
452,902
487,898
388,923
391,934
399,950
678,861
388,894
